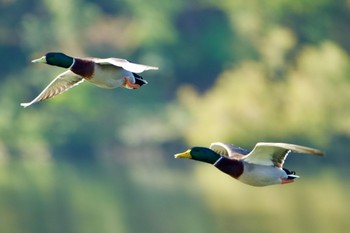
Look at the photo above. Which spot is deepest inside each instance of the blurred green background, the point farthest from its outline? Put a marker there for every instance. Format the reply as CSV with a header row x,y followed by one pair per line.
x,y
96,160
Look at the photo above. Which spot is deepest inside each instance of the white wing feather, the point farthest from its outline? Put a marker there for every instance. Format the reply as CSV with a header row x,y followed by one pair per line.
x,y
125,64
274,154
229,150
60,84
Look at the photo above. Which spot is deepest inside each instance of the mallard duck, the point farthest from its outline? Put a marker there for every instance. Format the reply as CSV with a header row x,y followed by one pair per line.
x,y
260,167
103,72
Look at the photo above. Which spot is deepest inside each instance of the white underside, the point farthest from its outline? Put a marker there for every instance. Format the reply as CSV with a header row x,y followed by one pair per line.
x,y
259,175
110,76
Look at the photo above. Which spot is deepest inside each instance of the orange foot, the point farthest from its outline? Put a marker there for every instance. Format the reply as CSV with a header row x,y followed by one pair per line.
x,y
130,85
286,181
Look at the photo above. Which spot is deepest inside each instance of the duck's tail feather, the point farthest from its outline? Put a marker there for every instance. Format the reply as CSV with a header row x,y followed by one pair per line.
x,y
139,80
291,174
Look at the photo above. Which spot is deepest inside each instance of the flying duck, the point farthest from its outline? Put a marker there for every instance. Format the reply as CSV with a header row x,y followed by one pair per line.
x,y
260,167
102,72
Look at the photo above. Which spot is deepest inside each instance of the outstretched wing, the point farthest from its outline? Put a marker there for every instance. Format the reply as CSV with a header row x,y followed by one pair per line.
x,y
125,64
274,154
228,150
61,83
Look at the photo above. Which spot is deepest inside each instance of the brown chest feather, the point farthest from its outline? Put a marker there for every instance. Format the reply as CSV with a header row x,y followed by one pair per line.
x,y
84,68
231,167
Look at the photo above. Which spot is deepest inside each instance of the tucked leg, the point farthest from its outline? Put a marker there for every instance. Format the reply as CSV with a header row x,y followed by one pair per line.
x,y
286,181
130,85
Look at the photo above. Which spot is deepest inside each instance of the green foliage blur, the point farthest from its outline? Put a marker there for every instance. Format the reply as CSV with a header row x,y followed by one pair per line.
x,y
96,160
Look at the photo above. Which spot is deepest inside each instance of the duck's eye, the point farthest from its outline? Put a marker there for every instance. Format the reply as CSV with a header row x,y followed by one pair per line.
x,y
195,150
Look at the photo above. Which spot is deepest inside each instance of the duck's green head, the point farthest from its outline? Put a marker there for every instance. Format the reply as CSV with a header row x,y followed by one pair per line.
x,y
201,154
56,59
